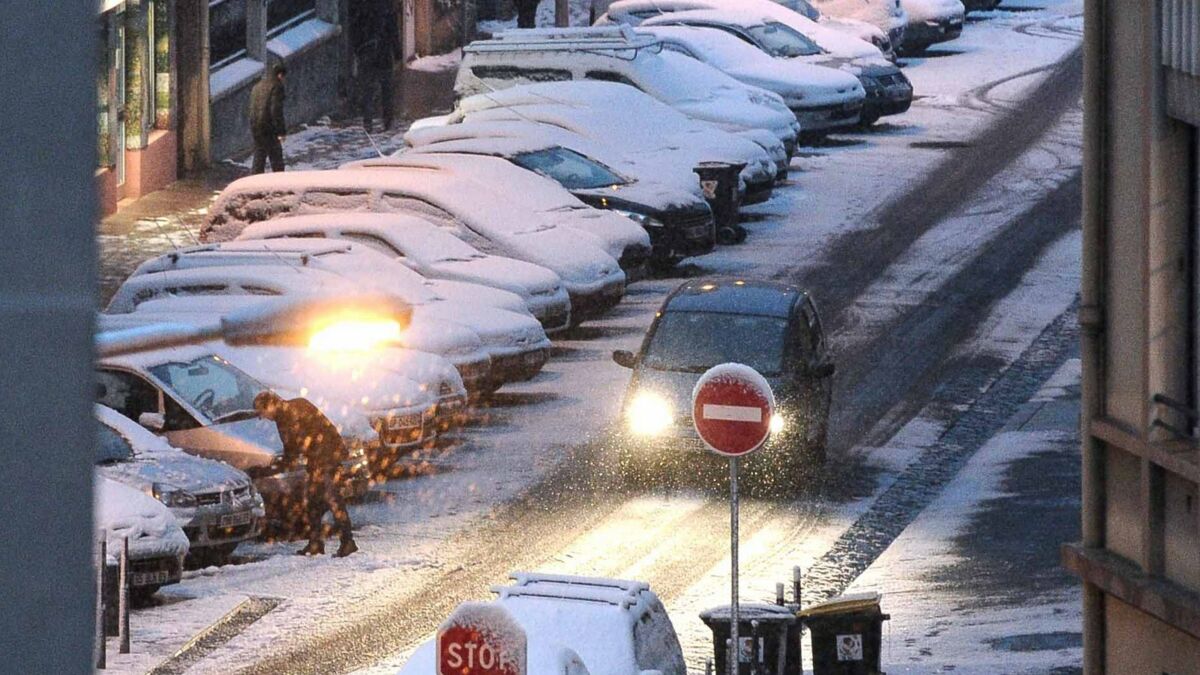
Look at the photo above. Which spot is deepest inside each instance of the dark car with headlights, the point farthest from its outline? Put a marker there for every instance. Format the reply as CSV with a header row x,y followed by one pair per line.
x,y
770,326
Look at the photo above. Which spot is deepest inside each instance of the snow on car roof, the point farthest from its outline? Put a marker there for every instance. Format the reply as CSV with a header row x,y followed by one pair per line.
x,y
143,361
139,438
628,596
836,43
414,237
232,279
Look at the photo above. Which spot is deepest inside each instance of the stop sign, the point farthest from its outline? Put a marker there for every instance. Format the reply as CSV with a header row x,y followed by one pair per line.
x,y
732,407
481,639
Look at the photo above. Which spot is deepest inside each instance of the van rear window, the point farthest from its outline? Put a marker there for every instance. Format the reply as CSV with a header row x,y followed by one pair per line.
x,y
523,74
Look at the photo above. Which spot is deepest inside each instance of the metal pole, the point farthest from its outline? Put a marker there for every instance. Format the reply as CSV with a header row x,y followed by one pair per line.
x,y
562,13
101,634
734,614
123,599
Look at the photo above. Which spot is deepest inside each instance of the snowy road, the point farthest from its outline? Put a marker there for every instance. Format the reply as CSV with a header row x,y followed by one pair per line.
x,y
942,248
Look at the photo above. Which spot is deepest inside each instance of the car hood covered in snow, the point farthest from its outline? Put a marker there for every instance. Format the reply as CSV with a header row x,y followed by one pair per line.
x,y
122,512
920,11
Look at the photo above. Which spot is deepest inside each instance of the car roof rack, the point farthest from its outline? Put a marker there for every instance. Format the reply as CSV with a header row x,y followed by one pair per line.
x,y
591,38
623,594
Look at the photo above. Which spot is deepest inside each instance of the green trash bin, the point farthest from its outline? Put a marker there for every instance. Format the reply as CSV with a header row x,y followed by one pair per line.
x,y
764,632
847,634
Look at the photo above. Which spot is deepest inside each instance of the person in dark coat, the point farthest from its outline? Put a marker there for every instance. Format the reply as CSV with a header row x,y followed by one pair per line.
x,y
526,13
375,42
306,432
267,125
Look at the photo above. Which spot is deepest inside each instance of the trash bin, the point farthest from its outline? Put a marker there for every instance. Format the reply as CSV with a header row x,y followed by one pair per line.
x,y
763,631
719,182
847,633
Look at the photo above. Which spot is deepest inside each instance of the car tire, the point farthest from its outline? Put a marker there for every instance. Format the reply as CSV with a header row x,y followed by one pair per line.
x,y
867,120
142,596
211,556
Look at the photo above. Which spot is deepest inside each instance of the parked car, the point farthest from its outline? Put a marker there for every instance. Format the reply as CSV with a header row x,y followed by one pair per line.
x,y
887,15
650,131
886,41
769,326
888,91
204,405
514,342
435,254
613,626
679,221
157,545
931,22
625,240
378,409
215,504
465,208
823,99
617,54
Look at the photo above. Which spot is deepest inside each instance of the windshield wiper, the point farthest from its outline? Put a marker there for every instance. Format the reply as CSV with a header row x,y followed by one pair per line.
x,y
236,416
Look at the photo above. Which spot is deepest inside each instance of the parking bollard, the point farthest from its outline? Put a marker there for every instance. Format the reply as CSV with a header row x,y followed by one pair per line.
x,y
123,599
101,635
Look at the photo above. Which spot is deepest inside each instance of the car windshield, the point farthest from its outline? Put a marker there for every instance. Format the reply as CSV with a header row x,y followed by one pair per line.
x,y
112,447
697,341
212,385
780,40
569,168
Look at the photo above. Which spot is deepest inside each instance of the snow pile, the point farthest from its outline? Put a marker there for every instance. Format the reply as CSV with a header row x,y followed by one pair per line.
x,y
230,77
301,37
124,513
437,63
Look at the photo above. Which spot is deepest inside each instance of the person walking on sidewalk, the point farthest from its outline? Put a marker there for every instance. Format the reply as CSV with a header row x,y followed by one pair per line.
x,y
375,41
306,432
266,119
526,13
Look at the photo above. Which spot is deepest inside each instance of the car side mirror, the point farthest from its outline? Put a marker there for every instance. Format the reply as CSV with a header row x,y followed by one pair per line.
x,y
153,421
823,370
624,358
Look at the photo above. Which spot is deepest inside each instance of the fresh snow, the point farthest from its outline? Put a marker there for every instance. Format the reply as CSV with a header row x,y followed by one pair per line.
x,y
300,37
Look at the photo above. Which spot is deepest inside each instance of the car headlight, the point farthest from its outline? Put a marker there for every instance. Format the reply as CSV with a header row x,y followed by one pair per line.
x,y
640,218
172,496
648,414
777,423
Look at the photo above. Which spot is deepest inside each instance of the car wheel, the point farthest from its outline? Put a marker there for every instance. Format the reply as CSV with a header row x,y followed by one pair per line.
x,y
212,556
142,595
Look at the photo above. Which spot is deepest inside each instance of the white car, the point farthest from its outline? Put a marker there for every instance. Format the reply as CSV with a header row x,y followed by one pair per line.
x,y
618,54
515,342
639,127
783,34
887,41
621,237
678,219
435,254
932,21
157,545
822,98
613,626
482,215
888,16
215,504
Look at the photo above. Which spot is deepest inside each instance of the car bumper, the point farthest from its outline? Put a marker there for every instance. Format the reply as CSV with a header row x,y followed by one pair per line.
x,y
925,33
451,412
889,99
220,525
683,238
595,300
826,118
553,311
519,365
474,371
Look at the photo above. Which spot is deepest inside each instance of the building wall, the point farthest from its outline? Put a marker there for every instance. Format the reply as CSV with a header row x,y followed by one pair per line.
x,y
1140,558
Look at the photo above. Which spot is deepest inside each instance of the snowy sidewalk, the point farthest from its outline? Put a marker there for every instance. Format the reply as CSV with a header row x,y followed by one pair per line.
x,y
970,587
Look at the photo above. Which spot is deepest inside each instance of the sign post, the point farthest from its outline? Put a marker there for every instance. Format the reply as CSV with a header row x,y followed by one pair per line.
x,y
732,406
481,639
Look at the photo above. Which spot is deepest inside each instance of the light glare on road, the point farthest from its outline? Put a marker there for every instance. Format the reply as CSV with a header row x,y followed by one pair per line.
x,y
649,414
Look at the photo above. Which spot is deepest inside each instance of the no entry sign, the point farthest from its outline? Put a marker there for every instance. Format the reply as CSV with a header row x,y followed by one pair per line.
x,y
732,407
481,639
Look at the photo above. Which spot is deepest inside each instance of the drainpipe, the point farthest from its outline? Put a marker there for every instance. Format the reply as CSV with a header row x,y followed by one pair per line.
x,y
1091,318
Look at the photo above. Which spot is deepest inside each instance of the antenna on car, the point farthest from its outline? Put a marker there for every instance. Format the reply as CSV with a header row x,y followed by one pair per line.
x,y
185,228
372,140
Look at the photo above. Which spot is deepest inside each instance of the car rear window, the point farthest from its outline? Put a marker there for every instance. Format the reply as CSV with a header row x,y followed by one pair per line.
x,y
697,341
523,74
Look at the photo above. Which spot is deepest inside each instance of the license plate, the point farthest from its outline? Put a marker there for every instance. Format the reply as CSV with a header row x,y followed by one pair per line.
x,y
159,578
235,519
403,422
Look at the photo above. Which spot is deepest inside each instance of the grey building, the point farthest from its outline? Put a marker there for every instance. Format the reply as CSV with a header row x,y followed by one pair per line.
x,y
1139,559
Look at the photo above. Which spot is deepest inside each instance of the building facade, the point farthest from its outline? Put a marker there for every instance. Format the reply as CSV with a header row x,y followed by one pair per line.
x,y
1139,559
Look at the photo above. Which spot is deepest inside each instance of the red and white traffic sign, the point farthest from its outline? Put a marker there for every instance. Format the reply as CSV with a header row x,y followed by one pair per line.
x,y
732,406
481,638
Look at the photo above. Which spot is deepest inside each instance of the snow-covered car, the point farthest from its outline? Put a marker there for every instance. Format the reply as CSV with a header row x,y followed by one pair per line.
x,y
515,343
613,626
623,238
435,254
637,126
888,90
215,504
157,545
823,99
618,54
886,41
470,210
204,405
888,16
679,221
770,326
931,22
370,397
